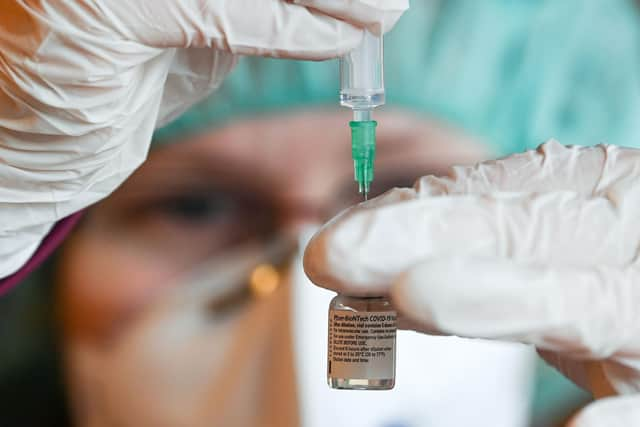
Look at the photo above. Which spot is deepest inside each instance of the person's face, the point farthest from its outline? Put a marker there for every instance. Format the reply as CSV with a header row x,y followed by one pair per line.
x,y
248,181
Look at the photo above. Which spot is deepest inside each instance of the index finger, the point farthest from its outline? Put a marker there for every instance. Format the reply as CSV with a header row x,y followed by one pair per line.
x,y
363,250
551,167
273,28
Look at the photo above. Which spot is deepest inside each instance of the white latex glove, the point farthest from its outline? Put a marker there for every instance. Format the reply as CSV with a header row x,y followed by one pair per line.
x,y
539,248
83,84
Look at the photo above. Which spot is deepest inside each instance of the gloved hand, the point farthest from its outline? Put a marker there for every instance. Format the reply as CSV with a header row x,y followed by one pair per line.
x,y
539,248
83,84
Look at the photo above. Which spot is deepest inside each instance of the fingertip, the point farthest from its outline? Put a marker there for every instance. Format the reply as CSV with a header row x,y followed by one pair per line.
x,y
394,195
314,259
332,260
337,43
468,296
425,289
313,37
325,261
377,18
336,257
621,411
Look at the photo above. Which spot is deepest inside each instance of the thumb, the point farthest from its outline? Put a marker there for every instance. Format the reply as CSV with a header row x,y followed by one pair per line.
x,y
581,312
273,28
375,15
611,412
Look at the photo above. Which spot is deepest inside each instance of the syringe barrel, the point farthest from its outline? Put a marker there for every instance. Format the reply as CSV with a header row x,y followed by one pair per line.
x,y
362,76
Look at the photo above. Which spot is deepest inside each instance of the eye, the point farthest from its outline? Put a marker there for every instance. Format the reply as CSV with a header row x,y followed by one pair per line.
x,y
229,217
190,224
195,208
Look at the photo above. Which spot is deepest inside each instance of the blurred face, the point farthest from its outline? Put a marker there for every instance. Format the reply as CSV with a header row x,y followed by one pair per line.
x,y
199,202
248,181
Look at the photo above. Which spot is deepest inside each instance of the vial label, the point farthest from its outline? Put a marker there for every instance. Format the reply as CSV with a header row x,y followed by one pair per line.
x,y
362,345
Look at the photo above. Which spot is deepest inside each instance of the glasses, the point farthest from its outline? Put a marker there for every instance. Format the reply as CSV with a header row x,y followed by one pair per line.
x,y
243,274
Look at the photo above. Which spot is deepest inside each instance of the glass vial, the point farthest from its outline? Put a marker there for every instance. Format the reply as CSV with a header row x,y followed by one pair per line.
x,y
362,343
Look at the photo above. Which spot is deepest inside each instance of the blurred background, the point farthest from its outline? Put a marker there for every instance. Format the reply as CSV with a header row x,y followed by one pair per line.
x,y
180,300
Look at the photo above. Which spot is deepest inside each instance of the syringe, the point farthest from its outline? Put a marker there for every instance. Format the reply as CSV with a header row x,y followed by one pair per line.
x,y
362,89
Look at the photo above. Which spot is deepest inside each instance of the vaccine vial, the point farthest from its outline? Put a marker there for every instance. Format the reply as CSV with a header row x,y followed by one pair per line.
x,y
362,343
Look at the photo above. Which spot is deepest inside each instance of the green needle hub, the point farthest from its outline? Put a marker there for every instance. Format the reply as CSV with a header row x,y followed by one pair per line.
x,y
363,150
